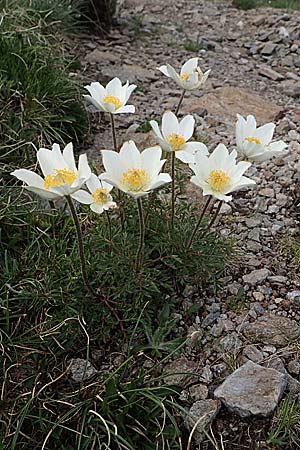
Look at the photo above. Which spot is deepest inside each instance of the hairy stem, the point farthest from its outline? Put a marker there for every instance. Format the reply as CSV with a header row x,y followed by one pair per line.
x,y
139,253
180,101
190,241
173,172
80,247
113,132
215,215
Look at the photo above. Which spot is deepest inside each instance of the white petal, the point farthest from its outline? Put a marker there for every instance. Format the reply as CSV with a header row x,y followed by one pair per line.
x,y
68,156
114,87
164,70
169,124
97,105
189,66
45,193
48,161
106,185
162,179
125,110
218,157
29,177
173,74
84,170
93,183
155,128
113,166
196,147
83,197
185,157
186,127
129,91
130,155
97,208
151,160
96,90
265,133
243,183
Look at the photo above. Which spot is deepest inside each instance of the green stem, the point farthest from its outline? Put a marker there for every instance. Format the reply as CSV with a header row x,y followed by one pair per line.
x,y
113,131
180,101
190,241
139,253
83,264
109,226
80,247
173,172
215,215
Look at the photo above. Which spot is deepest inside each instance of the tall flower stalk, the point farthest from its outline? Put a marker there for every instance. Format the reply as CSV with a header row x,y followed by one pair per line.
x,y
139,253
80,247
190,241
180,101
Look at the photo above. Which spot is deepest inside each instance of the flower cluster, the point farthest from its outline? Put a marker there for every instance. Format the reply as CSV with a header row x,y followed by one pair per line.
x,y
218,173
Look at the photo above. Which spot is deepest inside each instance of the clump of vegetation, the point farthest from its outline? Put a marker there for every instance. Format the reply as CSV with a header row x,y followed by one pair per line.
x,y
281,4
39,103
286,425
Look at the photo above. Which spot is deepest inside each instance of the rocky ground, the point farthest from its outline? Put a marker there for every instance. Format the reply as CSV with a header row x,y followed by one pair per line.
x,y
248,336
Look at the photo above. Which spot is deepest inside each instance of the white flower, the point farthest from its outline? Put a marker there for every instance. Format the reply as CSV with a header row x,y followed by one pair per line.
x,y
219,174
191,77
174,135
61,176
99,197
133,172
255,143
112,98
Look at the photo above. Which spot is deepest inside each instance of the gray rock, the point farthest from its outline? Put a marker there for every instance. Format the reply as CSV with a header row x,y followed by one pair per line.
x,y
253,353
268,48
252,390
294,296
256,276
294,367
230,343
270,73
272,330
201,413
278,279
81,370
180,371
198,392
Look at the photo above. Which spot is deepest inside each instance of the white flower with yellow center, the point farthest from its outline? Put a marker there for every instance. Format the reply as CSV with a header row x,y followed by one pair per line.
x,y
98,198
136,173
112,98
174,136
255,143
219,174
190,78
61,177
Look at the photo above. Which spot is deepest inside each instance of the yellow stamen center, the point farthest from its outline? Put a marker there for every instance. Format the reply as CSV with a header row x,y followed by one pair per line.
x,y
61,176
100,196
135,180
184,76
253,139
175,141
113,100
218,180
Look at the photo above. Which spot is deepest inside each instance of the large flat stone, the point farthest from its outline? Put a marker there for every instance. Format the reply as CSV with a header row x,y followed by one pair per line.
x,y
228,101
272,330
252,390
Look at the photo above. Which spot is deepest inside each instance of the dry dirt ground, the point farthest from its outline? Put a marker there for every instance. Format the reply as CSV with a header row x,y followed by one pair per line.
x,y
254,57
